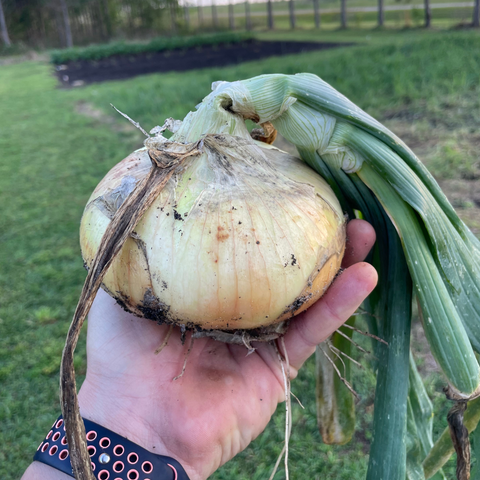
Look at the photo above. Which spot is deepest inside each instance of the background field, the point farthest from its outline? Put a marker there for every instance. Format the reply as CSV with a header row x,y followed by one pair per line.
x,y
57,144
40,24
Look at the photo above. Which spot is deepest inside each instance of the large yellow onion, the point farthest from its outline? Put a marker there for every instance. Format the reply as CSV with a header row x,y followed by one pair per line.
x,y
244,236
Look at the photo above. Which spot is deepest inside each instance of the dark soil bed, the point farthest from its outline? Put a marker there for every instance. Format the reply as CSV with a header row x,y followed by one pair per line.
x,y
120,67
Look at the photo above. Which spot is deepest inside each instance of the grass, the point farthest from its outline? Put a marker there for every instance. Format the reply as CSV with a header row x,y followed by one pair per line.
x,y
54,151
381,78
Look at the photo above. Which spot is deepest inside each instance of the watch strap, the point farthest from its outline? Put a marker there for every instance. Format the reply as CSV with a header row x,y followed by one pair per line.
x,y
113,457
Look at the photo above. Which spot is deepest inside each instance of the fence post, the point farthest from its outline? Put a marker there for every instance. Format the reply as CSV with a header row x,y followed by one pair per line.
x,y
186,16
3,27
231,16
248,20
343,14
107,20
428,14
381,14
270,15
476,14
173,17
66,24
214,15
200,14
316,14
291,7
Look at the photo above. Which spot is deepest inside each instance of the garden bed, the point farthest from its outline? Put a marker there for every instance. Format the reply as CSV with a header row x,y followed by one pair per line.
x,y
119,67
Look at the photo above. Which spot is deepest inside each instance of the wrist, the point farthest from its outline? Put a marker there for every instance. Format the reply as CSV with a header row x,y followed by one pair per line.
x,y
111,455
124,415
40,471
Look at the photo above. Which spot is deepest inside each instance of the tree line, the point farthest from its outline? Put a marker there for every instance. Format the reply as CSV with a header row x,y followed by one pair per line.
x,y
61,23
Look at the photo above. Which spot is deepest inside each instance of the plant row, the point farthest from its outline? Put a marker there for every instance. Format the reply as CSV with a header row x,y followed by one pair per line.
x,y
159,44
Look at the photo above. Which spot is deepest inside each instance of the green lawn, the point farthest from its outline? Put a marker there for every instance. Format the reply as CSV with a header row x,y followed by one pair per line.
x,y
55,145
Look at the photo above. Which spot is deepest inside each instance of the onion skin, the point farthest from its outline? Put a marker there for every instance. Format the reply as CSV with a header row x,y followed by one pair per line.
x,y
243,236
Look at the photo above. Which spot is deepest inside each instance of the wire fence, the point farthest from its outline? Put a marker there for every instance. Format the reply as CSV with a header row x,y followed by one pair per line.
x,y
63,23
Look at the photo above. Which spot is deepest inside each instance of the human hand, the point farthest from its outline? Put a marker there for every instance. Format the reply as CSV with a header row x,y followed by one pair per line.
x,y
225,398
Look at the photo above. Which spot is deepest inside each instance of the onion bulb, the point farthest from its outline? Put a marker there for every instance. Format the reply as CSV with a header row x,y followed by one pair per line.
x,y
242,236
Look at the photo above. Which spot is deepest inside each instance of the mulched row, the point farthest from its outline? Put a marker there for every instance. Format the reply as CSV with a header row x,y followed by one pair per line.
x,y
120,67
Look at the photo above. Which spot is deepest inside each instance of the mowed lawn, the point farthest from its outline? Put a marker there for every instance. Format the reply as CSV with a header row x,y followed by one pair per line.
x,y
55,146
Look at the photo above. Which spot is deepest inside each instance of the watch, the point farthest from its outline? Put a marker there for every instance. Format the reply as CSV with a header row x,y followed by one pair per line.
x,y
113,457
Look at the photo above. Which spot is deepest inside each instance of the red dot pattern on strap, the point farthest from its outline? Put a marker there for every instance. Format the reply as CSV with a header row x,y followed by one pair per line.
x,y
103,475
104,442
132,474
119,450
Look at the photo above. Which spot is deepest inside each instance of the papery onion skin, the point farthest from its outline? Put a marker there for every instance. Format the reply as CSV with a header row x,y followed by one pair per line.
x,y
244,236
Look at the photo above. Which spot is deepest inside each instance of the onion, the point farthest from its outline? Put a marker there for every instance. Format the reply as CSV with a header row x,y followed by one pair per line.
x,y
218,232
242,236
212,230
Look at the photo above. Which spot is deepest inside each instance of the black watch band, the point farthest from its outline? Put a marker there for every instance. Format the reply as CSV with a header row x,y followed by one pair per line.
x,y
113,457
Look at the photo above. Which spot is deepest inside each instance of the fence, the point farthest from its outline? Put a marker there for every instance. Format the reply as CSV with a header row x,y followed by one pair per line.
x,y
328,14
60,23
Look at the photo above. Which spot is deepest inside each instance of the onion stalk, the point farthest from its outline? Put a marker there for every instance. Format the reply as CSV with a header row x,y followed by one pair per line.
x,y
421,239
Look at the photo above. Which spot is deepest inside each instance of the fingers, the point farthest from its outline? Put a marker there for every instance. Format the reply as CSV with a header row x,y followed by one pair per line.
x,y
340,301
360,240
